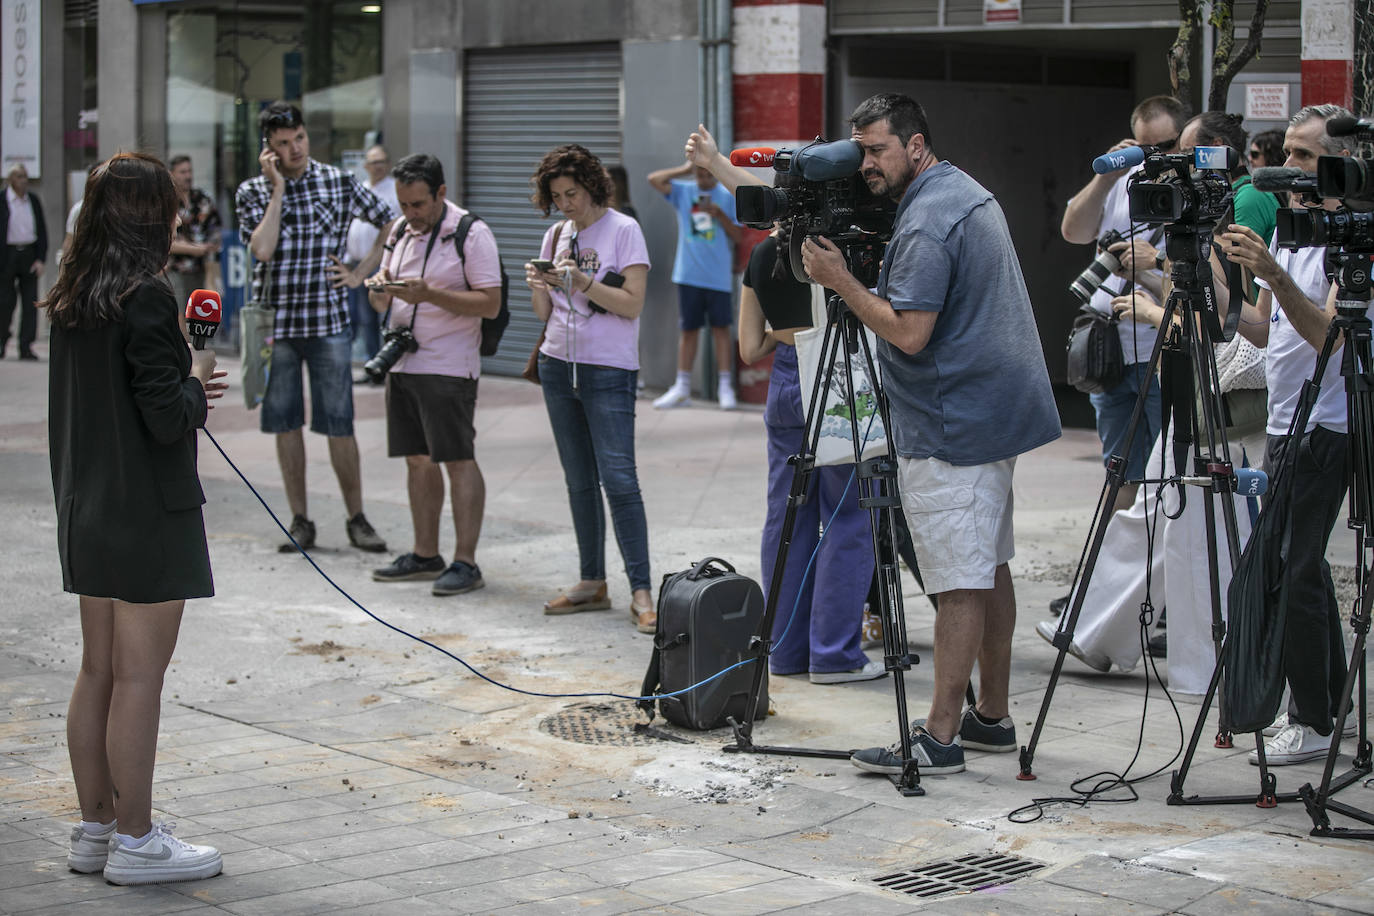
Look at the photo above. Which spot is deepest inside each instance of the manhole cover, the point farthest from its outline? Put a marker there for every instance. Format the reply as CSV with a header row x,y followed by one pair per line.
x,y
620,725
951,876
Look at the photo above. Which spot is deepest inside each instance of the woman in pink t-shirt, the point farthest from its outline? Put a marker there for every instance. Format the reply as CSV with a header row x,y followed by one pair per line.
x,y
589,366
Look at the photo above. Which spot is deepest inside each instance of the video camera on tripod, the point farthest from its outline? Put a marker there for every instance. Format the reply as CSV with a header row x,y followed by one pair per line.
x,y
818,189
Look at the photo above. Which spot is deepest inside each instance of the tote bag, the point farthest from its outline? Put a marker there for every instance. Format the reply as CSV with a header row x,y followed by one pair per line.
x,y
256,323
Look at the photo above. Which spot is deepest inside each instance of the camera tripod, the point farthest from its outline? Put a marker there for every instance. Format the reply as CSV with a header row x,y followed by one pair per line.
x,y
1352,326
1191,366
878,493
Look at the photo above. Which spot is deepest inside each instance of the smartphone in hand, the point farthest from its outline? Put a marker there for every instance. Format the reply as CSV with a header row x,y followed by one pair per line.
x,y
542,264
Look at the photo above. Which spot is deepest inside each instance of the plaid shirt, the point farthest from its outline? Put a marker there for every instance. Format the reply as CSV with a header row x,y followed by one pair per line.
x,y
199,221
316,211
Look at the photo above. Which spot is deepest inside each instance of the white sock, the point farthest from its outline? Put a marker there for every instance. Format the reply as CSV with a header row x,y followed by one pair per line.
x,y
95,827
726,381
684,380
129,842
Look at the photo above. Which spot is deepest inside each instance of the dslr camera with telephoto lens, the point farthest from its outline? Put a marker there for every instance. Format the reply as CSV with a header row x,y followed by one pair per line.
x,y
396,342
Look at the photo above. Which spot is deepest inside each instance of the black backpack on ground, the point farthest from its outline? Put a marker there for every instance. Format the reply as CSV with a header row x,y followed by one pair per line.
x,y
707,616
492,328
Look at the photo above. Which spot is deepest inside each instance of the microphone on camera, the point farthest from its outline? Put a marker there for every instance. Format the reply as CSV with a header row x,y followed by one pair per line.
x,y
753,156
203,313
1123,158
1345,126
1282,178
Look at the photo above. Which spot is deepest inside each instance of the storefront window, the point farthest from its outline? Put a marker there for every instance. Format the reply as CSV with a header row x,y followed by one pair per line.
x,y
226,61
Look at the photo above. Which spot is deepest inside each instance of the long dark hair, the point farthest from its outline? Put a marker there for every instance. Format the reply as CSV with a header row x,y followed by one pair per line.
x,y
123,239
575,162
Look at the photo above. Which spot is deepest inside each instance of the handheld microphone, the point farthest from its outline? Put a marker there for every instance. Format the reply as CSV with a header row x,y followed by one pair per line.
x,y
1250,482
1123,158
203,313
1346,126
1281,178
753,157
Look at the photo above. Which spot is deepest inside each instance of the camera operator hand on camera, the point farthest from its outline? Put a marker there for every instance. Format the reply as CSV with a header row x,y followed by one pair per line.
x,y
1137,262
1243,246
825,263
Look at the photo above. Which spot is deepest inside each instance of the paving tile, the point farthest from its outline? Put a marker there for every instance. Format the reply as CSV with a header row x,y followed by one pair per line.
x,y
1032,898
291,811
1264,861
699,882
405,906
868,904
68,889
541,835
327,899
148,900
30,849
494,896
461,875
1126,881
1227,901
651,864
765,898
388,852
229,888
824,853
494,820
1357,897
603,902
599,848
315,828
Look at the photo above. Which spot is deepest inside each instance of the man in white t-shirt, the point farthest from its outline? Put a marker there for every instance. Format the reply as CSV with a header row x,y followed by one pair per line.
x,y
1292,334
361,236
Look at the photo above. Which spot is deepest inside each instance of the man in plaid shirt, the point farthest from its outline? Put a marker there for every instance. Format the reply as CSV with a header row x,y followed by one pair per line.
x,y
294,217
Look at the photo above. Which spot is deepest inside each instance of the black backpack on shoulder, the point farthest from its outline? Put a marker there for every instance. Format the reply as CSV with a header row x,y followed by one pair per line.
x,y
492,328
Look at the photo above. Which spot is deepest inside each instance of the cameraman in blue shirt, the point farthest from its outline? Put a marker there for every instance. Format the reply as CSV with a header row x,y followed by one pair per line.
x,y
968,390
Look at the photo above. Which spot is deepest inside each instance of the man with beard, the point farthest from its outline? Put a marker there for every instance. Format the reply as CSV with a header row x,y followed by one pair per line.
x,y
968,392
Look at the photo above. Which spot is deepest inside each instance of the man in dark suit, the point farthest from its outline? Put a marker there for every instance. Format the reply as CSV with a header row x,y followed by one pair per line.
x,y
21,260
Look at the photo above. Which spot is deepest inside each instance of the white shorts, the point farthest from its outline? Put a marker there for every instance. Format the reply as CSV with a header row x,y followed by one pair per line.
x,y
960,520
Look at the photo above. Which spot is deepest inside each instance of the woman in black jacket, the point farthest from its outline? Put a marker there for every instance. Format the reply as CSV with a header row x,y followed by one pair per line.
x,y
126,397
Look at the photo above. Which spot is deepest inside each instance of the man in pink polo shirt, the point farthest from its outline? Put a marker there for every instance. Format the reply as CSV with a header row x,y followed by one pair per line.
x,y
440,294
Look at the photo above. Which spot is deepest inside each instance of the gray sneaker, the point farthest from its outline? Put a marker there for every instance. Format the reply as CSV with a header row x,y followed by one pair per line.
x,y
302,534
89,850
409,567
363,536
977,735
931,756
161,858
460,577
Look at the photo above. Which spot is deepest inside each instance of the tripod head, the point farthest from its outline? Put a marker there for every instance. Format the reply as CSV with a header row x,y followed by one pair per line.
x,y
1189,248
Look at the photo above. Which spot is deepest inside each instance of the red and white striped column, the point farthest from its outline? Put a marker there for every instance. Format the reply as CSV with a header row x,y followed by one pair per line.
x,y
779,101
1328,52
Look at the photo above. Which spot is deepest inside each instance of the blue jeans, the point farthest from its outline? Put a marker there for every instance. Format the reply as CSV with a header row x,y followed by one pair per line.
x,y
594,429
366,322
1114,410
824,637
331,385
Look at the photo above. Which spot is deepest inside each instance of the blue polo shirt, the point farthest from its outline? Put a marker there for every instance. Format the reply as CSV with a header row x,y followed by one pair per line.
x,y
979,392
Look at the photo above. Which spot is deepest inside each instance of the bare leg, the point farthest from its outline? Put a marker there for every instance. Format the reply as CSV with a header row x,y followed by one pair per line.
x,y
291,458
724,352
425,484
959,628
144,637
687,349
469,499
90,710
343,455
994,659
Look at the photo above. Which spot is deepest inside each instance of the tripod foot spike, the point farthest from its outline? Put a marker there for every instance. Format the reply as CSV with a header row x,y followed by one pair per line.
x,y
1025,776
1223,740
1268,797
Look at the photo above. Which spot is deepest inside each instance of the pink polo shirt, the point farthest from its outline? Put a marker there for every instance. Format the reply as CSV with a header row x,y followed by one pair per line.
x,y
448,342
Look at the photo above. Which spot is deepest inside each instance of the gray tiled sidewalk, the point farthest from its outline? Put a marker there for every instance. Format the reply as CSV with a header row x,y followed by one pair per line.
x,y
342,768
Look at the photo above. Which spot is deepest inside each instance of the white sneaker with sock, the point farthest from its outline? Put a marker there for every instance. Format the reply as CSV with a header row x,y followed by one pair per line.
x,y
90,846
726,396
158,858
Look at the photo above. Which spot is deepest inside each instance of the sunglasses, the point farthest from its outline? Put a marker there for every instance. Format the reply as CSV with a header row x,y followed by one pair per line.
x,y
1253,154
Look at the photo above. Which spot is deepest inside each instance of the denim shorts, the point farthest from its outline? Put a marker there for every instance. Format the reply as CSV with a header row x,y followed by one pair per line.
x,y
960,520
1114,411
697,306
330,362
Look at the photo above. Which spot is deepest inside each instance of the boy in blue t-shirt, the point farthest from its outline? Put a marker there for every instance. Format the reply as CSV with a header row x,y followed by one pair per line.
x,y
702,271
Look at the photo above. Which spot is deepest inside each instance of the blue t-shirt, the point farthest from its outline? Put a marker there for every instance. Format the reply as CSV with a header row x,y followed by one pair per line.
x,y
979,392
703,249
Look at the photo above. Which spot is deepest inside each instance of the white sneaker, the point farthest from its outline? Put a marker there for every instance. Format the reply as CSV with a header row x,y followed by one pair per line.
x,y
1293,744
868,672
727,398
1094,660
676,396
162,858
88,850
1282,722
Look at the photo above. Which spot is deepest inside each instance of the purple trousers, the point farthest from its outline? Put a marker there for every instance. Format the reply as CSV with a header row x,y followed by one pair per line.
x,y
823,634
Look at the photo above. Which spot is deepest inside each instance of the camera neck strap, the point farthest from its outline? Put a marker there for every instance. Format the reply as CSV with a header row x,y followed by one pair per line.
x,y
424,264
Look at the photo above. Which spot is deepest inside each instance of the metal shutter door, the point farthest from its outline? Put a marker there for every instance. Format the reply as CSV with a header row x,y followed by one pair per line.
x,y
517,106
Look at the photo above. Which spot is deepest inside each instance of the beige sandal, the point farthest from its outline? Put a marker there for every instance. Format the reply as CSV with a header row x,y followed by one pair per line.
x,y
645,618
573,600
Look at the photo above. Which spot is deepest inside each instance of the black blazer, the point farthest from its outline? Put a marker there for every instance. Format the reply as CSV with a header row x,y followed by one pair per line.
x,y
122,420
40,226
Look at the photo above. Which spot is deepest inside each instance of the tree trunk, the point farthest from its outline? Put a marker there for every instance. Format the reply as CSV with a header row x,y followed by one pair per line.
x,y
1181,53
1226,61
1364,57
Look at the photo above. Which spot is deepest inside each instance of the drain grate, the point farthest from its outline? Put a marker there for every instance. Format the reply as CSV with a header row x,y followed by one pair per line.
x,y
951,876
616,726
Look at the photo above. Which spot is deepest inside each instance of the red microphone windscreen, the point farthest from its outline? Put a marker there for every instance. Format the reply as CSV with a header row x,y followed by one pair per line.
x,y
203,314
753,157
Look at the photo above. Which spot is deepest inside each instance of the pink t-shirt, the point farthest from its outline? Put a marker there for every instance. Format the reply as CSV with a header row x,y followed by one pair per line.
x,y
614,242
448,342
